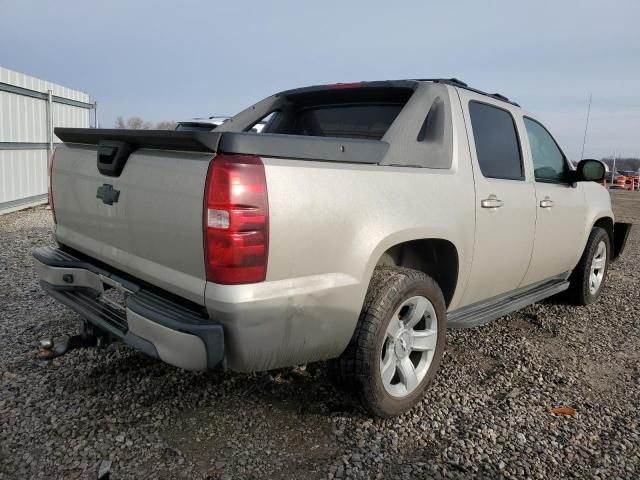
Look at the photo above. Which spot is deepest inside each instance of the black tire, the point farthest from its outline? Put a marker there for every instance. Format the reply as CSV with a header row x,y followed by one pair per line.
x,y
579,292
359,365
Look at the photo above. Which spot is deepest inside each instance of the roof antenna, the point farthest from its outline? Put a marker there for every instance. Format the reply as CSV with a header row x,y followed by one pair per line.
x,y
584,140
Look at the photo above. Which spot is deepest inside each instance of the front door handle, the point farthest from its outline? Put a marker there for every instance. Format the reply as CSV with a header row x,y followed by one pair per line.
x,y
546,203
491,202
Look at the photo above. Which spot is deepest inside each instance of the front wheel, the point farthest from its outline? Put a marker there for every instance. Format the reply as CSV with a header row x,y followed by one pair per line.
x,y
399,341
587,279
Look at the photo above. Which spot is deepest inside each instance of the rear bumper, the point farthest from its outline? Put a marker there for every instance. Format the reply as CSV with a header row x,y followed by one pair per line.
x,y
154,324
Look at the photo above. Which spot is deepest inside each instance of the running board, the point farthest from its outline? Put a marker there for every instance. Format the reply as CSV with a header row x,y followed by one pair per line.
x,y
480,313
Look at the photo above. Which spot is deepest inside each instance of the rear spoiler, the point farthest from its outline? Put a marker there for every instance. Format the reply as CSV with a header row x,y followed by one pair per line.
x,y
156,139
300,147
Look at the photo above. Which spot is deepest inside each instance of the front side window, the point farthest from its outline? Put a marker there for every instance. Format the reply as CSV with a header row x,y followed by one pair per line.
x,y
549,164
496,138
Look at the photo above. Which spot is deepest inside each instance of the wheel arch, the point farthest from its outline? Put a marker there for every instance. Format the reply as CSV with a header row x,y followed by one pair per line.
x,y
603,219
436,257
598,212
605,223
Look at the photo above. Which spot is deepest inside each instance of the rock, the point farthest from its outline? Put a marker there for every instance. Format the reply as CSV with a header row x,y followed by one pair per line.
x,y
487,412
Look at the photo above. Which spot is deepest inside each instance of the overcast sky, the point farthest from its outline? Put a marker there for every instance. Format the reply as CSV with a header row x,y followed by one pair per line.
x,y
181,59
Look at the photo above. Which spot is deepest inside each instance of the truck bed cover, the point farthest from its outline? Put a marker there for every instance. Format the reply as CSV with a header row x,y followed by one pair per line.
x,y
264,144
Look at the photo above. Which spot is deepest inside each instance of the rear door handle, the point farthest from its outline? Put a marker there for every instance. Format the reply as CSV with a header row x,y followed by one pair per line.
x,y
491,202
546,203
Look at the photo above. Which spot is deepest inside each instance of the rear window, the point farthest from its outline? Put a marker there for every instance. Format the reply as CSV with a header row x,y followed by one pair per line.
x,y
356,121
364,113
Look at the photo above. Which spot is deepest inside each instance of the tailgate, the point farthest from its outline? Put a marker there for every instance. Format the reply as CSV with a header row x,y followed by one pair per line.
x,y
147,221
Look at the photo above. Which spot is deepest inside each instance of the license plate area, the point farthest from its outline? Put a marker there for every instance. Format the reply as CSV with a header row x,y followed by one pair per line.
x,y
114,297
113,294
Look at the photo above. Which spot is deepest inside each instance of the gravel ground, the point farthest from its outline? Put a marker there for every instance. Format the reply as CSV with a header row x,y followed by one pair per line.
x,y
487,415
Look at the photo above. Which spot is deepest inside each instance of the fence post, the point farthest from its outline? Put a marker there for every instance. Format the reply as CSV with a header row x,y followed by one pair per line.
x,y
50,122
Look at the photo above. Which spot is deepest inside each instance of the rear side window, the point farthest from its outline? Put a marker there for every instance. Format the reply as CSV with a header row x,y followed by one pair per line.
x,y
496,139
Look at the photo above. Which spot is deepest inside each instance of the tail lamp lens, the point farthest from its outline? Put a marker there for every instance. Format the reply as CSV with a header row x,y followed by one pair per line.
x,y
236,220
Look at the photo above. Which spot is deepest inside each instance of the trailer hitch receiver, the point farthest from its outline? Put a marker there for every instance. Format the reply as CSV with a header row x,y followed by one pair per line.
x,y
88,337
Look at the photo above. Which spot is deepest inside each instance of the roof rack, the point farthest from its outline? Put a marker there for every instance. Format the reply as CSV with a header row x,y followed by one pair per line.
x,y
460,84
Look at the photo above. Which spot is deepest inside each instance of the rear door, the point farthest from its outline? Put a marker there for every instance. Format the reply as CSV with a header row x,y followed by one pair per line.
x,y
560,206
505,198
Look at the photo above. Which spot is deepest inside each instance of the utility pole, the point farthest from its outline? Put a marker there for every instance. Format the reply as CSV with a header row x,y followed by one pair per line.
x,y
613,168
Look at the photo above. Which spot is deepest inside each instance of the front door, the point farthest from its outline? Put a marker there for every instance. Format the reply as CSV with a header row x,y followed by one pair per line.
x,y
561,208
505,198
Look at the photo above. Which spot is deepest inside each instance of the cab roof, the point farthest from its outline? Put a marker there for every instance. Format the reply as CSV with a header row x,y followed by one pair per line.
x,y
401,84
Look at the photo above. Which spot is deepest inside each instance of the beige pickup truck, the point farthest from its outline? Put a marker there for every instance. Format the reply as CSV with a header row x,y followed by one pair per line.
x,y
361,222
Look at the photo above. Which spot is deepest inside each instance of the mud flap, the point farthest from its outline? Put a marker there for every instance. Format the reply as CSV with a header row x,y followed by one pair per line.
x,y
620,234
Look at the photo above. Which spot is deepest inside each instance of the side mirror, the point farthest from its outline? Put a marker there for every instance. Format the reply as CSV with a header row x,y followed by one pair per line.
x,y
590,170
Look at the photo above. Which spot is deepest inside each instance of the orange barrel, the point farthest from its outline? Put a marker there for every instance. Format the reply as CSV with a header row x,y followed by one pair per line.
x,y
622,181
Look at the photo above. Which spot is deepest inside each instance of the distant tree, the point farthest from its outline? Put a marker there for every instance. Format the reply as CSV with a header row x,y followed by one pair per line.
x,y
166,125
631,164
137,123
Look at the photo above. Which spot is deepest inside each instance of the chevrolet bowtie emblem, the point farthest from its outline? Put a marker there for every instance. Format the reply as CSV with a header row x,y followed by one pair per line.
x,y
108,194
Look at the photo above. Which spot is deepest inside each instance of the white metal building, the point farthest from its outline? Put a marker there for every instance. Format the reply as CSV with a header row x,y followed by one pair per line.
x,y
29,110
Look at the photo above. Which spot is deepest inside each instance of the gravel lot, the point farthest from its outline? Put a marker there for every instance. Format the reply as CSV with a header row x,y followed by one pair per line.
x,y
487,415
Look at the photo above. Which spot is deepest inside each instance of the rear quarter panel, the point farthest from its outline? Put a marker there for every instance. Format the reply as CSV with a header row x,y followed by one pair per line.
x,y
329,225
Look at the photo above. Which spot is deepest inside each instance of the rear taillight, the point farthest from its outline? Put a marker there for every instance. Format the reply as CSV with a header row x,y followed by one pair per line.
x,y
236,220
49,187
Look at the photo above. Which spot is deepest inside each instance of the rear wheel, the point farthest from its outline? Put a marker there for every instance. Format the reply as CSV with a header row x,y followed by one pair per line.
x,y
587,279
398,344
